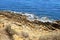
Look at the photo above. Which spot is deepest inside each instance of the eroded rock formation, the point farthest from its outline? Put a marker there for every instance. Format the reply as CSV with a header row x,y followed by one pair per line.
x,y
16,27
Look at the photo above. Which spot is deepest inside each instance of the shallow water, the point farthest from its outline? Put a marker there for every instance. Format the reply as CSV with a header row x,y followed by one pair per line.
x,y
38,7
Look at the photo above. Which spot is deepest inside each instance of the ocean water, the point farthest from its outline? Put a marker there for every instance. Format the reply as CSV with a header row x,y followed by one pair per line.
x,y
41,8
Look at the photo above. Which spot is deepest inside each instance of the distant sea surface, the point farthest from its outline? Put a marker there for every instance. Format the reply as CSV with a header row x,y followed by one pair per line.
x,y
38,7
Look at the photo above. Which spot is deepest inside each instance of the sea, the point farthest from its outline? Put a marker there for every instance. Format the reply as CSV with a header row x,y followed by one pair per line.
x,y
42,8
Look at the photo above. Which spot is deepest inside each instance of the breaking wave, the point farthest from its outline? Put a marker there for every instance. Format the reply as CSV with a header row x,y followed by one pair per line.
x,y
32,17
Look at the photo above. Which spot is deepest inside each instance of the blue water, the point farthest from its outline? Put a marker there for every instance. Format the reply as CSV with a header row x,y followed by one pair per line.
x,y
37,7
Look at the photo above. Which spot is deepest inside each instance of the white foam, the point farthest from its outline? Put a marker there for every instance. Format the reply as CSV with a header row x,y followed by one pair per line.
x,y
46,19
32,17
16,12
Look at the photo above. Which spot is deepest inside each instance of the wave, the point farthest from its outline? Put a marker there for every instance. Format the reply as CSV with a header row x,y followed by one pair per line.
x,y
32,17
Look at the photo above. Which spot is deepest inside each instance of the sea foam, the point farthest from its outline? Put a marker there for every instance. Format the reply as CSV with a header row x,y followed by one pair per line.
x,y
32,17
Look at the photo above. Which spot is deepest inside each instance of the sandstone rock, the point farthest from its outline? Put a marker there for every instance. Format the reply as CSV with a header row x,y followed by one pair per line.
x,y
16,27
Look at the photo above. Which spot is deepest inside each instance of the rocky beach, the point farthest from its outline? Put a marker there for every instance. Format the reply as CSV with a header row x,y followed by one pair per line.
x,y
14,26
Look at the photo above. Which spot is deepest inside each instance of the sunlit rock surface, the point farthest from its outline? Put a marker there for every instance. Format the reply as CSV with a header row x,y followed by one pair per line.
x,y
15,26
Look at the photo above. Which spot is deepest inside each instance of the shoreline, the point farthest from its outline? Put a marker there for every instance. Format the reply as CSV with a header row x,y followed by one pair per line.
x,y
15,26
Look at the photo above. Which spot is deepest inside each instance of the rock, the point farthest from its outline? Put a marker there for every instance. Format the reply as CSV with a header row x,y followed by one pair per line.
x,y
16,37
4,37
16,27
